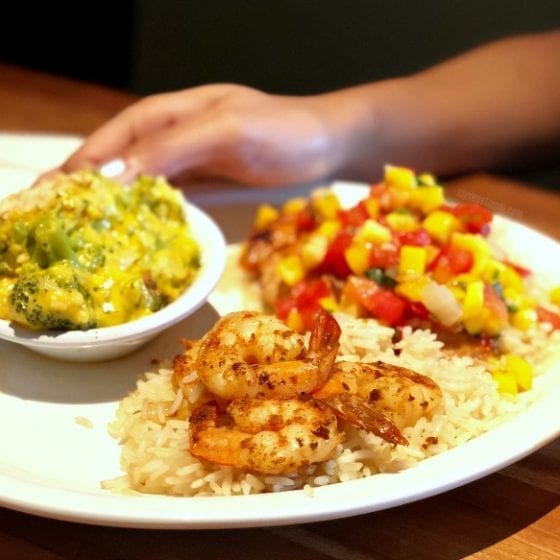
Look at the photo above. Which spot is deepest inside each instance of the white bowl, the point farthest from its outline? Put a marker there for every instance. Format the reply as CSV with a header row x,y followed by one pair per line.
x,y
105,343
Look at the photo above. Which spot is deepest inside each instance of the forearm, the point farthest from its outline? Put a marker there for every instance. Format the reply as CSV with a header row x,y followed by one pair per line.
x,y
492,106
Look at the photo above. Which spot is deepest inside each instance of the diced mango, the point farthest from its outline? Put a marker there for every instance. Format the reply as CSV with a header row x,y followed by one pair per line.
x,y
329,228
294,205
313,251
373,232
372,207
412,262
521,370
524,319
427,199
328,303
555,295
473,301
399,221
506,382
326,205
412,290
441,225
400,177
357,257
294,321
291,270
266,214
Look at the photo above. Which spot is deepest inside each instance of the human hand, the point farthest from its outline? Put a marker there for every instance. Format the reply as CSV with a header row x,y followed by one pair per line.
x,y
217,131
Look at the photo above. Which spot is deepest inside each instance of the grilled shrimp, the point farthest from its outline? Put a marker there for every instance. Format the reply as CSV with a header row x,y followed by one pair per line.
x,y
268,435
252,354
366,393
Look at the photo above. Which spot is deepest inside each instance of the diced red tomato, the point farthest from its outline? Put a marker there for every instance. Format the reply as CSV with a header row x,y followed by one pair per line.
x,y
419,237
283,306
334,261
353,217
416,309
546,316
305,220
449,262
383,256
380,303
474,217
308,292
387,306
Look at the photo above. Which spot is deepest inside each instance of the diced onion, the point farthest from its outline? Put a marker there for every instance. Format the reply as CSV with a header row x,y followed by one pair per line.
x,y
441,303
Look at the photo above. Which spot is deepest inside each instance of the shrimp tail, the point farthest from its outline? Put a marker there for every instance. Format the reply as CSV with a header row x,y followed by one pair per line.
x,y
353,409
324,344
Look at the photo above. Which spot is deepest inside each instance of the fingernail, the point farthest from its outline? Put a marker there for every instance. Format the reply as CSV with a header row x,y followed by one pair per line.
x,y
113,168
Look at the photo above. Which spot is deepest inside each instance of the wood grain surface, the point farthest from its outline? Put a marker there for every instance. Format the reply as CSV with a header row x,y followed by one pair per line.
x,y
512,514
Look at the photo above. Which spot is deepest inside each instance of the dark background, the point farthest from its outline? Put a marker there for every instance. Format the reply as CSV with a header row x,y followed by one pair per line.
x,y
282,46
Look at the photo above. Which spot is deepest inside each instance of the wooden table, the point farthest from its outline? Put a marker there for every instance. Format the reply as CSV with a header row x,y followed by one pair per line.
x,y
514,513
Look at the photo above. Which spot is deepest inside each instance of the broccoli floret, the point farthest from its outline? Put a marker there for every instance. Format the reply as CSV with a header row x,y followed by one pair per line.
x,y
51,299
48,243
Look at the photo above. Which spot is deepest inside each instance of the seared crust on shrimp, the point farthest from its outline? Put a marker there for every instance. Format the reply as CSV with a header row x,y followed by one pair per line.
x,y
275,436
253,354
400,394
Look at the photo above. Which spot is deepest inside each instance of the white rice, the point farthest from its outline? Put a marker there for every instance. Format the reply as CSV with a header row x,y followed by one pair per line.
x,y
156,460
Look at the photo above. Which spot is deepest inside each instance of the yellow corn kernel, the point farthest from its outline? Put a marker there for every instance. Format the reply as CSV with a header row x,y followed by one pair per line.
x,y
326,205
521,370
399,221
412,262
328,303
291,270
554,295
427,199
294,321
441,225
313,251
473,302
400,177
329,228
412,290
505,382
266,214
372,207
373,232
294,205
357,257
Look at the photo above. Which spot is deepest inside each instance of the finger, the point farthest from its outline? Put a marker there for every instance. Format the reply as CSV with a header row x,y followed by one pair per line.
x,y
138,121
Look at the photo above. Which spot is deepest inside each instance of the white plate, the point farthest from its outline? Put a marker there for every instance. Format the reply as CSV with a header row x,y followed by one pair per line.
x,y
57,473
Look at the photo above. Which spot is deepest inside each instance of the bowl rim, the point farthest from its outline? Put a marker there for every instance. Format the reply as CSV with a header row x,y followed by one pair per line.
x,y
212,243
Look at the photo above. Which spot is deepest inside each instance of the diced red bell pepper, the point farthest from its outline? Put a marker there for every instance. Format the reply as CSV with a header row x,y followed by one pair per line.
x,y
334,261
305,219
419,238
383,256
353,217
449,262
546,316
308,292
387,306
380,303
474,217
